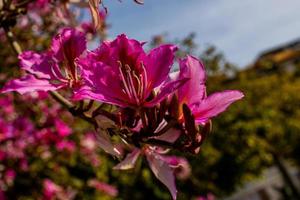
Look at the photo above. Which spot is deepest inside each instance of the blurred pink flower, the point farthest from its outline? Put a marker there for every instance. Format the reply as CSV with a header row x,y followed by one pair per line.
x,y
66,146
50,189
62,128
103,187
9,176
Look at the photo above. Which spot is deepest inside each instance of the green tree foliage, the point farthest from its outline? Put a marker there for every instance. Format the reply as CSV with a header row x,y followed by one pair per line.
x,y
245,139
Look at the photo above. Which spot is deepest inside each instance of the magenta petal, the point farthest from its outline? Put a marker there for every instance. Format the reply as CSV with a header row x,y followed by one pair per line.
x,y
129,161
166,90
194,90
162,171
68,44
158,64
40,65
87,93
124,50
99,85
29,84
215,104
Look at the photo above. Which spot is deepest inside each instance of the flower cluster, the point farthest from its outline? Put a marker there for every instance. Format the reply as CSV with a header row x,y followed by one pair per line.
x,y
153,110
26,142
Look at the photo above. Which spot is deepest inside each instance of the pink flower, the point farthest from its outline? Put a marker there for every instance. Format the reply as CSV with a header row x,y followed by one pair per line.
x,y
9,176
44,68
50,189
103,187
66,146
193,93
62,128
121,73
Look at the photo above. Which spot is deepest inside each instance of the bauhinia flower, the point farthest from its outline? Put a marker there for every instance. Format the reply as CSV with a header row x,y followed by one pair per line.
x,y
121,73
53,69
193,93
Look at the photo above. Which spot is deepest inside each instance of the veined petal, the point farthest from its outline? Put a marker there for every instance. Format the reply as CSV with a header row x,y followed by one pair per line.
x,y
162,171
130,160
158,64
29,84
194,90
214,104
69,44
99,85
166,90
87,93
40,65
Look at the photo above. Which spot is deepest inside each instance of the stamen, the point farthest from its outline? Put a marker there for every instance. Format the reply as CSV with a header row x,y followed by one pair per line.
x,y
124,81
145,78
129,76
75,70
55,74
138,83
141,91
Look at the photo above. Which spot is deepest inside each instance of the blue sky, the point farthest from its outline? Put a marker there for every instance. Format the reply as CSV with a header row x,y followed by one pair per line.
x,y
241,29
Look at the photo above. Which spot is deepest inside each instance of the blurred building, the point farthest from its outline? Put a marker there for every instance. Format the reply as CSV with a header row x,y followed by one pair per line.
x,y
285,56
272,186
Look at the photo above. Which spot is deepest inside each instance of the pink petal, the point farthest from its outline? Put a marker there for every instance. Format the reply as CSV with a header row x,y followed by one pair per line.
x,y
87,93
99,85
40,65
68,44
194,90
162,171
129,161
29,84
167,89
215,104
158,64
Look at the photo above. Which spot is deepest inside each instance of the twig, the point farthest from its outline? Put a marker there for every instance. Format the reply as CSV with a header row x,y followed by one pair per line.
x,y
14,44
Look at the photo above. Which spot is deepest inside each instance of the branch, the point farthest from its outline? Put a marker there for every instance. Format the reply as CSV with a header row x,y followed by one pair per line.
x,y
13,42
